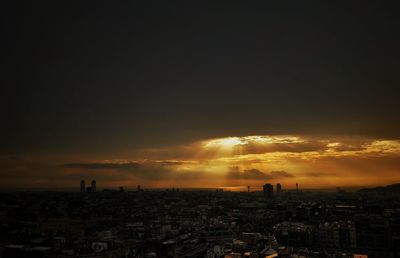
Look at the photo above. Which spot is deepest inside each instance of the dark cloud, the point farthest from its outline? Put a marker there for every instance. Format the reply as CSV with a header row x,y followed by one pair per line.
x,y
87,83
175,162
349,148
128,166
280,174
255,174
33,174
146,170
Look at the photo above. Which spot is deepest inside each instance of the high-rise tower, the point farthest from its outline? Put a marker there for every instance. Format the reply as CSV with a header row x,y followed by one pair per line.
x,y
278,188
268,190
83,188
93,188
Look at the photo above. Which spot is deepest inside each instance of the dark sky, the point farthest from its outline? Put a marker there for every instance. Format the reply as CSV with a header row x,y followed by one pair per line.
x,y
102,76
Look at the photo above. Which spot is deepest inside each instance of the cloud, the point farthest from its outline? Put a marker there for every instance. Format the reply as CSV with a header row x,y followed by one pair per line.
x,y
296,147
255,174
35,173
145,170
176,162
128,165
280,174
149,170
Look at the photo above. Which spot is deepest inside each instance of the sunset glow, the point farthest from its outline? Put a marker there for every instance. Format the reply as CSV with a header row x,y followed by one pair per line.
x,y
228,142
311,161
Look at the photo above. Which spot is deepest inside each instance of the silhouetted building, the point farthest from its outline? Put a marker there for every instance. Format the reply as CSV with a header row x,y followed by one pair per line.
x,y
83,187
139,188
121,189
278,188
93,188
268,190
297,187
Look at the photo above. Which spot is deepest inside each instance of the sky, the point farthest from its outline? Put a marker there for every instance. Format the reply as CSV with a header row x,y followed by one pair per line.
x,y
190,94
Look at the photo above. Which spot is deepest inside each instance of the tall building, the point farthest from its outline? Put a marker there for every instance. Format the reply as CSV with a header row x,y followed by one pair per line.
x,y
268,190
93,188
139,188
297,187
83,187
278,188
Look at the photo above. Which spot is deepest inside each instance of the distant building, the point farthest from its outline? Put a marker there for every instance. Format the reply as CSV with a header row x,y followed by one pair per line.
x,y
93,186
278,188
83,187
121,189
268,190
139,188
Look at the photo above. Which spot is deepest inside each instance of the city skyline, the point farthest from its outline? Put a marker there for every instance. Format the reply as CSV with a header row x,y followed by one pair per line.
x,y
221,129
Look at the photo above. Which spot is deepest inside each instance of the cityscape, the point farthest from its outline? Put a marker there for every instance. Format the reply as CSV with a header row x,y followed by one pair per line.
x,y
274,222
200,129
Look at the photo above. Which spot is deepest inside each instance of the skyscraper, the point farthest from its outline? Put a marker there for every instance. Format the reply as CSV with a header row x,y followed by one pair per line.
x,y
83,188
268,190
278,188
93,188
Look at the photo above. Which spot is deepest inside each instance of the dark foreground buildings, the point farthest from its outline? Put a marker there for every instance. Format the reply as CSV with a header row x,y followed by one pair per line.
x,y
114,223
